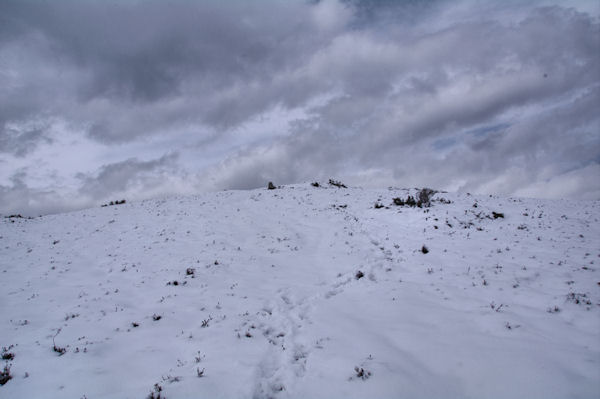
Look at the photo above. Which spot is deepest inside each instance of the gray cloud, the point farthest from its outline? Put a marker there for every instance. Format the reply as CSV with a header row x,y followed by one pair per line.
x,y
22,140
19,198
215,57
485,97
121,177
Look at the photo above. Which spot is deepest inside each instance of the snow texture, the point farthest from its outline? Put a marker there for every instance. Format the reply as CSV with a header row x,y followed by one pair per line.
x,y
304,292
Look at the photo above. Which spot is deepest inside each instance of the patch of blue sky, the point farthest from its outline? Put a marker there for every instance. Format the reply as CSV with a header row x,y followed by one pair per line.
x,y
483,131
445,143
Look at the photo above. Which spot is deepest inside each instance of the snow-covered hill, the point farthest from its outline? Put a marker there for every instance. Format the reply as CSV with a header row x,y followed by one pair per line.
x,y
304,292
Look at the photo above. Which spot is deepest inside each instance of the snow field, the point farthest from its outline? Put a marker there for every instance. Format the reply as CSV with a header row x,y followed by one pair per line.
x,y
258,292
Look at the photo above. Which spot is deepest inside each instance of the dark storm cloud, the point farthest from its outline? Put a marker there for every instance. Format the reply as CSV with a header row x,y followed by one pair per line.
x,y
482,96
135,54
21,141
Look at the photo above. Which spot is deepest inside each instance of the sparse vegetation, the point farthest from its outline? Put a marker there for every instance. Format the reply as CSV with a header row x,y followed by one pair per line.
x,y
60,350
71,316
511,326
578,298
5,375
6,355
424,197
111,203
337,184
362,373
156,393
495,307
409,201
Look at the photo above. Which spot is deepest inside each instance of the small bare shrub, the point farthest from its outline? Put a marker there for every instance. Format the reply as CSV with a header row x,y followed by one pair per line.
x,y
362,373
5,375
61,351
6,355
578,298
337,184
511,326
111,203
424,197
156,393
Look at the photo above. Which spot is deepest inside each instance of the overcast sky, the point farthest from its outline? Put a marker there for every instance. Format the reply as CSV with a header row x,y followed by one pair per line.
x,y
103,100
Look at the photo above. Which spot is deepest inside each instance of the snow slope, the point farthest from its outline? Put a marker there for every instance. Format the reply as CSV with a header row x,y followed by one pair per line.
x,y
257,291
